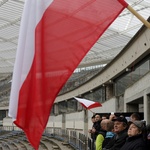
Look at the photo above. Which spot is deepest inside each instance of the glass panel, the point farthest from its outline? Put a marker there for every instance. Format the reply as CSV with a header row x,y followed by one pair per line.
x,y
72,105
127,80
144,68
52,111
97,95
62,107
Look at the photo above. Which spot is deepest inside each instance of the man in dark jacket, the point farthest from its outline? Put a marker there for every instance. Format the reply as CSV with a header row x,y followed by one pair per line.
x,y
96,126
120,129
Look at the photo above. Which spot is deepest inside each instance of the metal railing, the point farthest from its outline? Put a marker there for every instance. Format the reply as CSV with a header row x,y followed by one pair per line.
x,y
74,138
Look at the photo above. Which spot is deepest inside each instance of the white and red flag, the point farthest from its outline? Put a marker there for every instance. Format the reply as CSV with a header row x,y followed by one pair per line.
x,y
88,104
54,37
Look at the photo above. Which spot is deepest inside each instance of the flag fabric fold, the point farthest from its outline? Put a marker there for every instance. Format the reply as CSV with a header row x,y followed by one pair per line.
x,y
55,35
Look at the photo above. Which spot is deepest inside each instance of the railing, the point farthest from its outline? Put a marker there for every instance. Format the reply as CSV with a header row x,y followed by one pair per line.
x,y
76,139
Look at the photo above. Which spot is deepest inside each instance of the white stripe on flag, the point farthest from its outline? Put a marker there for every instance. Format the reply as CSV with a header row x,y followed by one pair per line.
x,y
25,49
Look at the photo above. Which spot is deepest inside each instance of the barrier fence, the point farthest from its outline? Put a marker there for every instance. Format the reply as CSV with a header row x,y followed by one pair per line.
x,y
74,138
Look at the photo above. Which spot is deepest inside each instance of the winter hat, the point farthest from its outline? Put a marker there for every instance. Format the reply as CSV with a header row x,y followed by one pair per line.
x,y
139,124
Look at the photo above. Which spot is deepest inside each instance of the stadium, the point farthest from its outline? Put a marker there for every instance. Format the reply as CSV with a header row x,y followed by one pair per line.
x,y
115,73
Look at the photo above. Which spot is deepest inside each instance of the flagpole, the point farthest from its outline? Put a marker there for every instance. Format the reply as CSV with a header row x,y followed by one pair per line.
x,y
125,4
146,23
91,111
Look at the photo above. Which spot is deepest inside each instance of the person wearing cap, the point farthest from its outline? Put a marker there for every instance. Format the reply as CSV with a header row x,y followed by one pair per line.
x,y
135,140
120,130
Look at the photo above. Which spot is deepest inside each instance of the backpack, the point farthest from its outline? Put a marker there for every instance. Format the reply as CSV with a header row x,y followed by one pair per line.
x,y
108,137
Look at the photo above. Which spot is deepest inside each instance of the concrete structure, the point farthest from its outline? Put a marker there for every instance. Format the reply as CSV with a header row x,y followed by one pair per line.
x,y
136,97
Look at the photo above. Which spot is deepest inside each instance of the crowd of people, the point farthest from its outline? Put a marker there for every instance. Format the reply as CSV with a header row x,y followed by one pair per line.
x,y
119,132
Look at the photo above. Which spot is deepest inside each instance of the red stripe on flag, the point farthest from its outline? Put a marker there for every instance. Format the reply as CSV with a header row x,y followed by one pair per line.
x,y
66,32
123,3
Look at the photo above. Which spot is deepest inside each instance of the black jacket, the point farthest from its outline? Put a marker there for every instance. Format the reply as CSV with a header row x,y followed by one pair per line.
x,y
117,141
97,127
134,143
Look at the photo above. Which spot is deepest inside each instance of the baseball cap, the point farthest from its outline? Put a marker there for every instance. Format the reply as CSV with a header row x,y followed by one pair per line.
x,y
121,119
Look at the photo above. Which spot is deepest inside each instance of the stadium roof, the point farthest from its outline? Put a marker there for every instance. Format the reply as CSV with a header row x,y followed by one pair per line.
x,y
104,50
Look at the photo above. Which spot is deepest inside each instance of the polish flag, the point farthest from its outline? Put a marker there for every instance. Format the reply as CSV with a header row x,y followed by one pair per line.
x,y
88,104
55,35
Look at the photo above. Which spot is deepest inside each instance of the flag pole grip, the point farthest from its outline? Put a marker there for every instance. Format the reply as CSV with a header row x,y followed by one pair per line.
x,y
146,23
